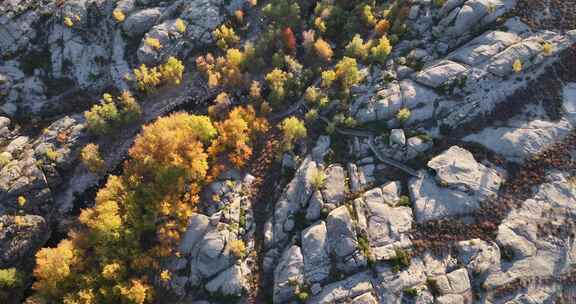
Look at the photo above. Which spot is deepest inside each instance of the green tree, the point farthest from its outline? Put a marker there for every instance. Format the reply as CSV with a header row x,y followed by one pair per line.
x,y
293,129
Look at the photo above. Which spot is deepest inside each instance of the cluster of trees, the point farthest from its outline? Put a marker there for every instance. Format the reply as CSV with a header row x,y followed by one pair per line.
x,y
114,255
294,51
112,112
170,72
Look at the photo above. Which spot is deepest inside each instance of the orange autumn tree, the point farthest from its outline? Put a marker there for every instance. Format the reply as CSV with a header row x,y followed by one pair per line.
x,y
114,253
235,135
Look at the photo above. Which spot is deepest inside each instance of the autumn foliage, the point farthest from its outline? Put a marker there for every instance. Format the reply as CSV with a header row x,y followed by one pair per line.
x,y
289,40
103,260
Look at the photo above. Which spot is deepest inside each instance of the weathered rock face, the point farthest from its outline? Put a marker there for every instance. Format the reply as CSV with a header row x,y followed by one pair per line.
x,y
20,176
460,80
141,22
58,147
20,238
201,18
534,239
459,186
207,251
92,51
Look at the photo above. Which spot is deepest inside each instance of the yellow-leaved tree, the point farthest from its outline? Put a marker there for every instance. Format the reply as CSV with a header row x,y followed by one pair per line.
x,y
104,260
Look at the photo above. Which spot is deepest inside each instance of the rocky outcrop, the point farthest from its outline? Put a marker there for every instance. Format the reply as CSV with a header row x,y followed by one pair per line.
x,y
20,176
458,188
210,250
535,240
20,237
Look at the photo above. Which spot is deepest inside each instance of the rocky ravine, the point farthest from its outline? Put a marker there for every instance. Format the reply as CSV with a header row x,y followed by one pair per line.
x,y
361,236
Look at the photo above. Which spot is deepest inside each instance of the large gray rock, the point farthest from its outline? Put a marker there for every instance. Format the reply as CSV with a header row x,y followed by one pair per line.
x,y
340,292
141,22
194,232
525,51
315,251
479,256
231,282
297,194
483,47
441,73
459,186
335,187
387,102
387,228
288,275
342,240
517,142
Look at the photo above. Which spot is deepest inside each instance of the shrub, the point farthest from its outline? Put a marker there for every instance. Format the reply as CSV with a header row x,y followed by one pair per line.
x,y
308,38
165,275
111,113
90,156
238,248
277,81
169,72
256,90
52,154
318,179
293,129
172,71
68,21
147,79
180,26
328,78
381,51
547,48
403,115
517,66
226,71
404,201
439,3
350,122
311,115
347,73
368,16
289,40
323,50
130,109
21,201
221,106
410,292
356,48
9,278
312,95
101,117
303,296
236,133
225,37
401,260
153,43
118,15
5,158
382,27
